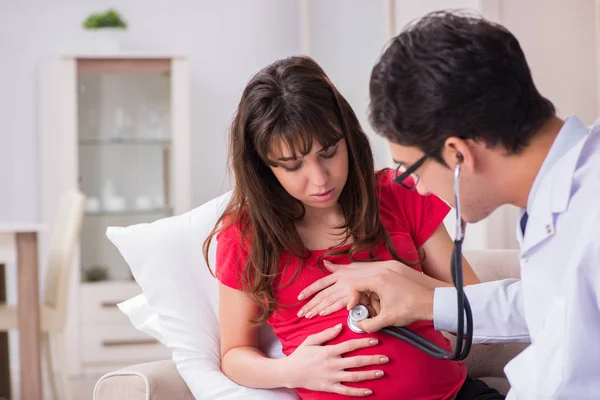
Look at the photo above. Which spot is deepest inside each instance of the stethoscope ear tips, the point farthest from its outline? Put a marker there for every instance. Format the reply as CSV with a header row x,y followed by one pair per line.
x,y
357,314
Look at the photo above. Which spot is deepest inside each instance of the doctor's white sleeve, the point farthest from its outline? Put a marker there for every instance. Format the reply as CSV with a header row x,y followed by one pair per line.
x,y
497,307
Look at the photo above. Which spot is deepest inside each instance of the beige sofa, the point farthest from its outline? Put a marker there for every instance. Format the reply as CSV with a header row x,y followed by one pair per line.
x,y
161,381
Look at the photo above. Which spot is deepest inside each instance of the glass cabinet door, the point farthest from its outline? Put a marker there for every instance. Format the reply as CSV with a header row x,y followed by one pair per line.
x,y
124,136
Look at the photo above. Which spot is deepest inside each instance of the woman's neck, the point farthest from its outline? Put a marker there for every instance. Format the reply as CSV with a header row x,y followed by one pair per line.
x,y
319,228
331,217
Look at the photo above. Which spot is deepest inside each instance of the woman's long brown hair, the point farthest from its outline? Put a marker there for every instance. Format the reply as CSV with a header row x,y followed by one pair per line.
x,y
293,100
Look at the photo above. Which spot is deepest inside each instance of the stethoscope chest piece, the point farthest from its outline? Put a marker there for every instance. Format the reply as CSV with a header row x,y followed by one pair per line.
x,y
357,314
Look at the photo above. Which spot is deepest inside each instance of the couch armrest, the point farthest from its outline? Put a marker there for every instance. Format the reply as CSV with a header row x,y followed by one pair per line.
x,y
158,380
489,360
492,265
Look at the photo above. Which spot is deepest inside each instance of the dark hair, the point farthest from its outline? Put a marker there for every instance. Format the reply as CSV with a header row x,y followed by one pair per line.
x,y
453,74
293,100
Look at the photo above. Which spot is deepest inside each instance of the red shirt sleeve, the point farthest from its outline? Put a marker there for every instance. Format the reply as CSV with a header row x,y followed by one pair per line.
x,y
231,257
429,214
422,214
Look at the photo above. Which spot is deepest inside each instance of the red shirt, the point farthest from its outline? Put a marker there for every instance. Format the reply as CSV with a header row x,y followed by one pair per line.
x,y
409,219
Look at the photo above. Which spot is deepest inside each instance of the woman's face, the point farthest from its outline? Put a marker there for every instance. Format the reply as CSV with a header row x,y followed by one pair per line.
x,y
317,178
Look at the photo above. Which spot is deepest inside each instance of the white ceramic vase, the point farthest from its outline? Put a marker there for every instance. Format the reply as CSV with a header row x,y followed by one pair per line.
x,y
105,40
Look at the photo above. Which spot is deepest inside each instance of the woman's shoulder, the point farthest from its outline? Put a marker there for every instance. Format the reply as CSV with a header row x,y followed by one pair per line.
x,y
391,192
384,178
233,228
231,253
392,208
407,206
387,189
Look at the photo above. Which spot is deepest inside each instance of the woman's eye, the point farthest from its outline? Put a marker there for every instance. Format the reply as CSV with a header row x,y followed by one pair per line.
x,y
292,168
330,153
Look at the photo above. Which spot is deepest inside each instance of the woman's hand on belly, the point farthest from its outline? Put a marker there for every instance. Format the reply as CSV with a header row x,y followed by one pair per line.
x,y
333,292
314,366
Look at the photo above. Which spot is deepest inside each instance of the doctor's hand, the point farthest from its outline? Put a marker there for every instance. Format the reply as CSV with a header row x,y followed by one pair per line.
x,y
332,293
316,366
404,298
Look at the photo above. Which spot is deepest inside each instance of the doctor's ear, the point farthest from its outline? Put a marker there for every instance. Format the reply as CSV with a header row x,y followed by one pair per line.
x,y
456,150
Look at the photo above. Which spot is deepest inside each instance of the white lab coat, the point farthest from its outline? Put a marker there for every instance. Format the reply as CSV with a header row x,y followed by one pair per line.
x,y
556,304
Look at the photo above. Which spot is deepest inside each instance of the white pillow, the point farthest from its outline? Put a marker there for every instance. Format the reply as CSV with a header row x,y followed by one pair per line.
x,y
142,316
179,305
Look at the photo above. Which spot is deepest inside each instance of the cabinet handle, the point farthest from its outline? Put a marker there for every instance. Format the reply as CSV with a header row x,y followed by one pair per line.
x,y
133,342
110,304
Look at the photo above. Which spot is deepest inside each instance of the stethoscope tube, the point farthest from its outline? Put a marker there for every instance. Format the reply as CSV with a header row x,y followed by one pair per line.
x,y
460,352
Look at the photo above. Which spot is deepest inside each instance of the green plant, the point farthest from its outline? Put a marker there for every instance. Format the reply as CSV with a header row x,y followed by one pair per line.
x,y
108,19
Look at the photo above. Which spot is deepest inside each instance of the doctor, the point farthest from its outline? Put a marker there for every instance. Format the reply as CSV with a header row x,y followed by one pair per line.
x,y
452,89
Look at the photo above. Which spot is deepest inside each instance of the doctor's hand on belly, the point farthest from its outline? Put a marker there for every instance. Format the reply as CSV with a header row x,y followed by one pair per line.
x,y
395,294
333,292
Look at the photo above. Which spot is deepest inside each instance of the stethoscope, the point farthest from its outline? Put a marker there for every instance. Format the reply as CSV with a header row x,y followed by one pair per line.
x,y
360,312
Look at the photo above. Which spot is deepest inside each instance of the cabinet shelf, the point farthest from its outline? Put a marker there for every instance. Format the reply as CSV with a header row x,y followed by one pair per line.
x,y
116,141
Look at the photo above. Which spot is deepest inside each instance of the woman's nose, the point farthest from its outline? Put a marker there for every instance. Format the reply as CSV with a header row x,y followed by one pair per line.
x,y
319,175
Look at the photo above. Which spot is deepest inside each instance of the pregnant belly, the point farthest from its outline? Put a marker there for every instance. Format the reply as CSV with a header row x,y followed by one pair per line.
x,y
410,373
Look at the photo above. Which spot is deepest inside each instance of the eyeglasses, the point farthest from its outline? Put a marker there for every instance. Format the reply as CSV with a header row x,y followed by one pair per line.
x,y
406,176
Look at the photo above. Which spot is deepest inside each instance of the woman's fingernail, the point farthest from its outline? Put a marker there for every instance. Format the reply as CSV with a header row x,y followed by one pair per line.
x,y
301,296
338,326
379,374
368,392
322,312
309,314
384,359
373,341
300,313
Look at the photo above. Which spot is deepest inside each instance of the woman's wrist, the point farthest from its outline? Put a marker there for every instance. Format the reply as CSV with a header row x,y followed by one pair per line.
x,y
395,266
287,373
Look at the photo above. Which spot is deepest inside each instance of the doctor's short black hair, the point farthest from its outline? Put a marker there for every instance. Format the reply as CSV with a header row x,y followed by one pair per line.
x,y
455,74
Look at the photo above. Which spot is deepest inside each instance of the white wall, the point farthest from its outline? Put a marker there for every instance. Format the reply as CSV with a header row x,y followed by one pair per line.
x,y
227,41
407,10
565,68
346,38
